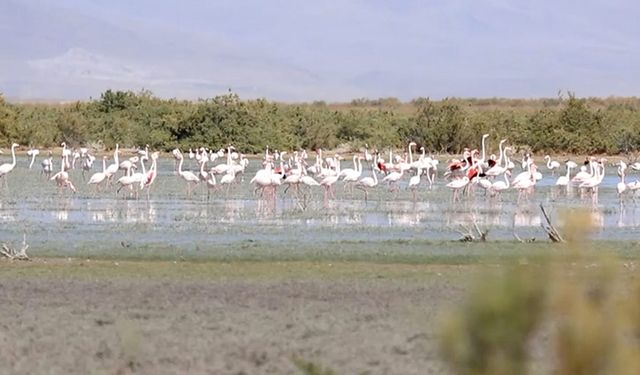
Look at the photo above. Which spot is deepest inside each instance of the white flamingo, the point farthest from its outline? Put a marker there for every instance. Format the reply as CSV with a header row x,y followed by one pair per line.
x,y
33,153
8,167
113,168
98,177
366,183
393,178
566,179
62,178
621,187
414,182
47,165
352,177
500,186
189,177
457,185
551,164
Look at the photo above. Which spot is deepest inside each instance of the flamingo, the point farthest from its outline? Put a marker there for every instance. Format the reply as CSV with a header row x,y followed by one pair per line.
x,y
66,153
128,164
144,154
223,168
152,173
621,187
188,176
294,179
551,165
347,171
47,165
367,155
309,181
113,168
262,178
564,180
133,179
33,153
457,185
62,178
582,175
525,181
367,183
393,178
228,179
353,176
482,159
176,156
98,177
331,179
500,186
594,181
414,182
87,163
8,167
497,169
211,184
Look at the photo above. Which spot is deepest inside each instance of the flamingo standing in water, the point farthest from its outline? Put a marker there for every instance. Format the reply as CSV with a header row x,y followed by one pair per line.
x,y
8,167
367,183
152,173
414,182
551,165
328,181
188,176
113,168
457,185
393,178
500,186
566,179
62,178
98,177
33,153
621,187
47,165
352,177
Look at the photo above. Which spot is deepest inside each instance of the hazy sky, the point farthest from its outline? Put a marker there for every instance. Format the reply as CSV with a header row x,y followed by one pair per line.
x,y
333,50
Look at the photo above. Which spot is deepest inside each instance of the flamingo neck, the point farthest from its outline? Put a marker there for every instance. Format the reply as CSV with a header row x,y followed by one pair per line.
x,y
410,155
13,155
180,165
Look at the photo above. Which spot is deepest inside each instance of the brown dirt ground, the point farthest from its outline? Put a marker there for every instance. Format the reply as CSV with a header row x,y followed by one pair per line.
x,y
71,316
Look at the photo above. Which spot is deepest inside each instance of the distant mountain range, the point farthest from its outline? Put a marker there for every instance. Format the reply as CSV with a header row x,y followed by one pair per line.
x,y
303,51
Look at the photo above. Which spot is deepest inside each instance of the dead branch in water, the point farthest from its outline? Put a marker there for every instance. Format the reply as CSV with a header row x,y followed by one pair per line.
x,y
14,254
552,232
468,234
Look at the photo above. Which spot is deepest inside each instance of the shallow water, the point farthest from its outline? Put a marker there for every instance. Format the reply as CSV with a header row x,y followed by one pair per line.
x,y
102,221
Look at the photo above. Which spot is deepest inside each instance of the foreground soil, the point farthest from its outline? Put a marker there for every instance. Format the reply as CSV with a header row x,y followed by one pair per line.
x,y
64,316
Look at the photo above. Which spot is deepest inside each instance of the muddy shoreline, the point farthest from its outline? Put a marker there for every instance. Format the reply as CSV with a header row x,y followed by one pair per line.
x,y
58,318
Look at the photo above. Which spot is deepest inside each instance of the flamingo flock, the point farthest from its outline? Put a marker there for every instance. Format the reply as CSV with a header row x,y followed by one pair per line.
x,y
473,170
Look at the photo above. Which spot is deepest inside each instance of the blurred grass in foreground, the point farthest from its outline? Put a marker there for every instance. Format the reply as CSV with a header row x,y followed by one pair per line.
x,y
588,308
